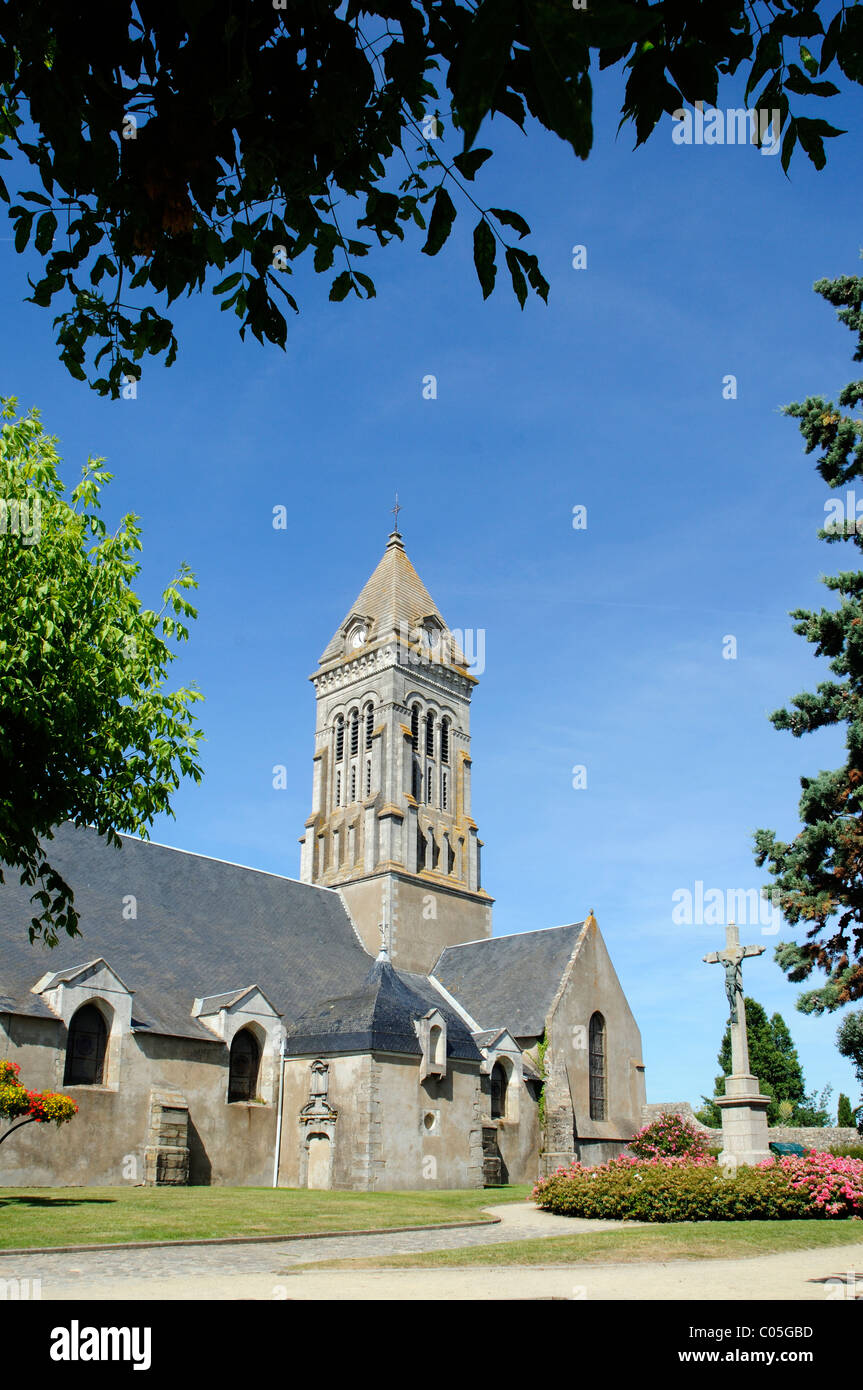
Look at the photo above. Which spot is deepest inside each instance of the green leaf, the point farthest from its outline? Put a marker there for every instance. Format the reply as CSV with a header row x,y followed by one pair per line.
x,y
228,283
45,229
519,283
810,63
22,230
341,286
440,222
483,256
511,219
468,162
482,59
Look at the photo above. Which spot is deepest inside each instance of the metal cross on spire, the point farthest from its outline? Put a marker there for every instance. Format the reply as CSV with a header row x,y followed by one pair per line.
x,y
395,510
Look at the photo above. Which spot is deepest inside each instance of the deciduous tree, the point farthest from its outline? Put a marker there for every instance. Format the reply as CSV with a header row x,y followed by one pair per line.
x,y
172,138
88,731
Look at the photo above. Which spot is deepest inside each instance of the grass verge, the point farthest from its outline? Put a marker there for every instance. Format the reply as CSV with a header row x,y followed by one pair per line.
x,y
703,1240
43,1216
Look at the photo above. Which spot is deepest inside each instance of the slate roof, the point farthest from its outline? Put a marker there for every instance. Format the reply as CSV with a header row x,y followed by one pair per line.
x,y
379,1016
509,981
204,927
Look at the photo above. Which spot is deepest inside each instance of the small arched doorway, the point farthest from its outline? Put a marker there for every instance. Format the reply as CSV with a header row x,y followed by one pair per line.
x,y
318,1167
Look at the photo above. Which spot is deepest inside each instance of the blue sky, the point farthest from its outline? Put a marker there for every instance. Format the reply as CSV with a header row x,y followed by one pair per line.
x,y
603,646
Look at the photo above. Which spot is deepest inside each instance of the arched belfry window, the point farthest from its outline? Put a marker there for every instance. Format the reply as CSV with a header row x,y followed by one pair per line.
x,y
340,738
370,725
597,1063
415,727
429,735
355,732
498,1091
244,1066
85,1050
444,741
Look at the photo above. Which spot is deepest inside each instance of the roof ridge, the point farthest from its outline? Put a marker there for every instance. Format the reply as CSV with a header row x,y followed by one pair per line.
x,y
215,859
509,936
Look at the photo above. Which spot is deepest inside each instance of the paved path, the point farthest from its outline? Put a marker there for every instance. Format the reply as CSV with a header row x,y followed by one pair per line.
x,y
268,1271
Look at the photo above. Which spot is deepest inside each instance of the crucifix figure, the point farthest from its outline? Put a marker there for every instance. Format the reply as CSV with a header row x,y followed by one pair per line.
x,y
731,959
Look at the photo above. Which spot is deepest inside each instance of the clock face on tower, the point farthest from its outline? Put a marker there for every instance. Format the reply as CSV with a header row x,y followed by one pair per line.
x,y
358,636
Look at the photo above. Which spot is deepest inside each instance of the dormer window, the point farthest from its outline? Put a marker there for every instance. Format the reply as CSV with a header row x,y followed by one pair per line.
x,y
357,635
431,1031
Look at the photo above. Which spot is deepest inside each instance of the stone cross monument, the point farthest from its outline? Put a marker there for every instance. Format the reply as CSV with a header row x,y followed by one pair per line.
x,y
744,1109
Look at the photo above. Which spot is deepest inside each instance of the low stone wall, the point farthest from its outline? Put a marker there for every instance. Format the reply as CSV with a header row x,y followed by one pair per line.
x,y
810,1137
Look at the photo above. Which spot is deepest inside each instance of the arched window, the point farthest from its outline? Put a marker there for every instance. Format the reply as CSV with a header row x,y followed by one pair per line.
x,y
340,738
444,791
429,735
353,784
370,725
498,1091
369,777
596,1055
355,732
245,1062
437,1046
430,786
85,1050
338,789
415,727
444,741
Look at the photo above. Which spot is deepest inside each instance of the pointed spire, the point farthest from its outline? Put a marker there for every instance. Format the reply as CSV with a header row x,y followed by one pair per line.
x,y
391,602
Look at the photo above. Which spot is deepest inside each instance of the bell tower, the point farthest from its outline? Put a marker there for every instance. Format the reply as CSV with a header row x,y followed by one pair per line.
x,y
391,823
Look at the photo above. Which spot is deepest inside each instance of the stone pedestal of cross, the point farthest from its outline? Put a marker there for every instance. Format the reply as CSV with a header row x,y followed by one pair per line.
x,y
744,1108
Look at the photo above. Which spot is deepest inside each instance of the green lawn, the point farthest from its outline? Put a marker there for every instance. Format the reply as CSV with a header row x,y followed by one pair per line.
x,y
703,1240
42,1216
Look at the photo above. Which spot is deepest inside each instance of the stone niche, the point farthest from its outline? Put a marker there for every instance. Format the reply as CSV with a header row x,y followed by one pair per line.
x,y
166,1156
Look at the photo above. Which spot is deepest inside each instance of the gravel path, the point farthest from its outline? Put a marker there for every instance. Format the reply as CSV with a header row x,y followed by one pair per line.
x,y
266,1271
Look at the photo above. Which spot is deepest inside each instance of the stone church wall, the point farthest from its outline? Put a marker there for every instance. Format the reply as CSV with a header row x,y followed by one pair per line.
x,y
391,1132
105,1143
592,986
426,917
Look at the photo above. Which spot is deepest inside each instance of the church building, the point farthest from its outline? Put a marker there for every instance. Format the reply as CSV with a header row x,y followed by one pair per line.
x,y
359,1027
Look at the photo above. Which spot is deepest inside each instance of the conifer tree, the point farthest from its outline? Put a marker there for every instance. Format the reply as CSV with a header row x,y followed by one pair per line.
x,y
773,1059
819,874
844,1112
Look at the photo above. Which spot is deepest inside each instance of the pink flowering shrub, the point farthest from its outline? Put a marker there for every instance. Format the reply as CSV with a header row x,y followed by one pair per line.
x,y
671,1187
671,1135
833,1185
